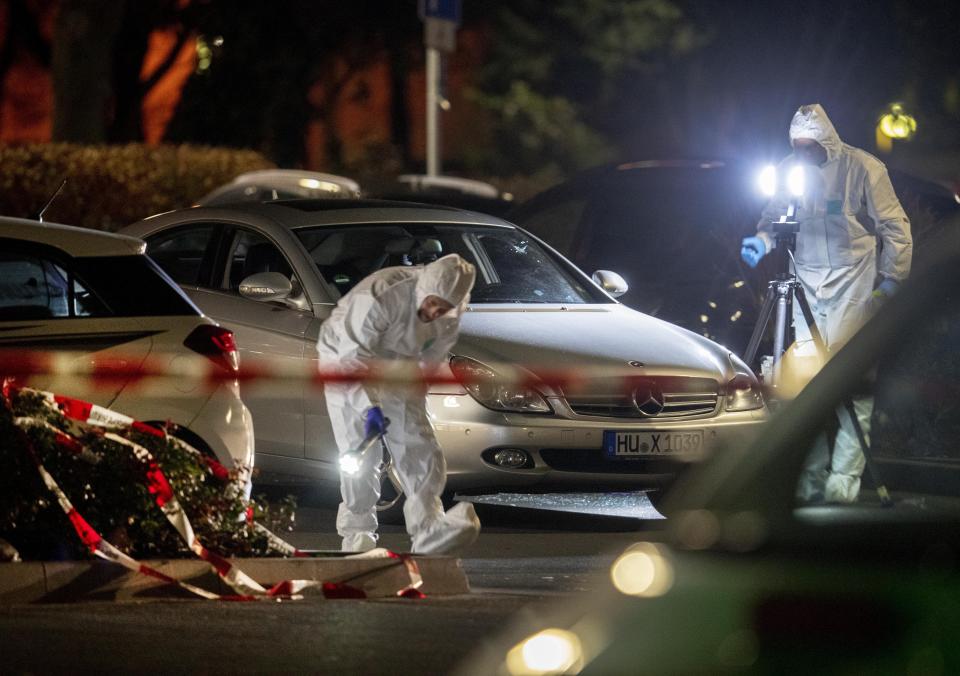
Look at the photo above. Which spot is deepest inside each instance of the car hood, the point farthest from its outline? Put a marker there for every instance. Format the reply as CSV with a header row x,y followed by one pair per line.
x,y
553,338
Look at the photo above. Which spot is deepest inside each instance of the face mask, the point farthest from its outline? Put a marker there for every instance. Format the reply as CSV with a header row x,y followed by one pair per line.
x,y
425,331
810,155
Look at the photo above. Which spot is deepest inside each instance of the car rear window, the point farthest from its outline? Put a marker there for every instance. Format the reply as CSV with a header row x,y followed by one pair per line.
x,y
132,286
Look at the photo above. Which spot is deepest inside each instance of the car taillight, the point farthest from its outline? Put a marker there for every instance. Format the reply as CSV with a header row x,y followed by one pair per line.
x,y
216,344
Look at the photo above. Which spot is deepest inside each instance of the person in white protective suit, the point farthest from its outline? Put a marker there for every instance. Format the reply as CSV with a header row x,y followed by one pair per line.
x,y
398,313
848,208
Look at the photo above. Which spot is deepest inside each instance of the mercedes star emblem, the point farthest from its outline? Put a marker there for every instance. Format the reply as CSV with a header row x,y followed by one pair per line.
x,y
649,400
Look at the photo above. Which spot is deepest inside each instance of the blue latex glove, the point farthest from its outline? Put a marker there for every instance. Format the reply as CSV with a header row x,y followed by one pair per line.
x,y
752,250
886,289
373,422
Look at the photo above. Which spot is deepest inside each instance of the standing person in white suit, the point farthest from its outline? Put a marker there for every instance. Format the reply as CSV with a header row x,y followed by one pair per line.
x,y
848,211
398,313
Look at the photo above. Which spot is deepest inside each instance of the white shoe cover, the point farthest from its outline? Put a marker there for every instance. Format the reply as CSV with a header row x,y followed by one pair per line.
x,y
358,542
455,530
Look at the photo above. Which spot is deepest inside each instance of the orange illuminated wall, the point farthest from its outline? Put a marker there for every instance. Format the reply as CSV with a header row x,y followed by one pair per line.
x,y
26,91
161,101
26,94
360,118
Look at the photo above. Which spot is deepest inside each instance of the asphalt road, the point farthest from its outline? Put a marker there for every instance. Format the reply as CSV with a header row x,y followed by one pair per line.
x,y
523,559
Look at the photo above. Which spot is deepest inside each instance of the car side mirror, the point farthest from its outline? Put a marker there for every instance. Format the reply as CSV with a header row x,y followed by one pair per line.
x,y
611,282
266,286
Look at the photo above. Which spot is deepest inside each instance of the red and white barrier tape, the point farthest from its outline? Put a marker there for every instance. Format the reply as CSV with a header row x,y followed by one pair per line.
x,y
108,371
81,413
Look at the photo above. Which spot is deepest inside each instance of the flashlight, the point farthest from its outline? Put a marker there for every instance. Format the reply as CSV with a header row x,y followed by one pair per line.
x,y
352,460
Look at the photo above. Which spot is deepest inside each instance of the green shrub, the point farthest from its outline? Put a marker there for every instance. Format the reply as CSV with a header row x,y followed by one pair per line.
x,y
109,187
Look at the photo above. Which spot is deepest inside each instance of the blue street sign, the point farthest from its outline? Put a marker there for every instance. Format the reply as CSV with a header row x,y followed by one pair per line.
x,y
445,10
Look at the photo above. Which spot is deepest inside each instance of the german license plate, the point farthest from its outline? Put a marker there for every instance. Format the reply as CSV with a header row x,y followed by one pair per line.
x,y
647,444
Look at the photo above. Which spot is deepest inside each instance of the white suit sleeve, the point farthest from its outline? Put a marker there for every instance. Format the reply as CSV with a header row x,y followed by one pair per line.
x,y
364,325
893,226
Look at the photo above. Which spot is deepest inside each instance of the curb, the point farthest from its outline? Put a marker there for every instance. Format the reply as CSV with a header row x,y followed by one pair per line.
x,y
63,581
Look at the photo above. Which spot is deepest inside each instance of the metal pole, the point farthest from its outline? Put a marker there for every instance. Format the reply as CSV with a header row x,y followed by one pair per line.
x,y
433,131
780,330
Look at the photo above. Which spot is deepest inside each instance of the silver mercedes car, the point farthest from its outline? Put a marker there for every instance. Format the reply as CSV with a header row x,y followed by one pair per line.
x,y
648,398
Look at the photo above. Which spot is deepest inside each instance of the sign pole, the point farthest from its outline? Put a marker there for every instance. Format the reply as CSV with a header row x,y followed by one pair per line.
x,y
433,108
440,20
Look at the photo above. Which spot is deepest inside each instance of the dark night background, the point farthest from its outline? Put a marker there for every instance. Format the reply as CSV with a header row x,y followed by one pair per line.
x,y
538,88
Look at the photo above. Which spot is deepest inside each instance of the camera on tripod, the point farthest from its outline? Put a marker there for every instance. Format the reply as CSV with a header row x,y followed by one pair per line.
x,y
784,290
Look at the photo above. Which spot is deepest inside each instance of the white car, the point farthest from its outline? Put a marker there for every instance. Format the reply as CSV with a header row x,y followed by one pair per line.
x,y
72,289
656,396
267,184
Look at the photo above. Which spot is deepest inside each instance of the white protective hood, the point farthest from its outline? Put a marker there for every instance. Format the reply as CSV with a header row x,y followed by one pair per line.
x,y
450,278
811,122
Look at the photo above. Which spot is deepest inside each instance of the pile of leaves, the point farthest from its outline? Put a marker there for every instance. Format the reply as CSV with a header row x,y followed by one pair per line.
x,y
106,483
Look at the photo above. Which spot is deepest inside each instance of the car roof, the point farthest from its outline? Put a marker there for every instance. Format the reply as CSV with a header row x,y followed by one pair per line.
x,y
301,213
292,175
78,242
467,186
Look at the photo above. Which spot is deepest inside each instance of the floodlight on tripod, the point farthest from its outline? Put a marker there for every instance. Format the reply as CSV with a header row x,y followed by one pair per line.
x,y
794,180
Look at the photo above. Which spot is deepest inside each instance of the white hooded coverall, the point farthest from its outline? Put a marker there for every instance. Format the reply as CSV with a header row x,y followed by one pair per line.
x,y
377,320
848,206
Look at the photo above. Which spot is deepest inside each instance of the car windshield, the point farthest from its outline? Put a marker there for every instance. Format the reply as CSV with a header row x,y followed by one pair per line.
x,y
511,266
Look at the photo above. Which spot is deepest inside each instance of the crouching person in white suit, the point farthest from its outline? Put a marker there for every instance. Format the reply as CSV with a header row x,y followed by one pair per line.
x,y
399,313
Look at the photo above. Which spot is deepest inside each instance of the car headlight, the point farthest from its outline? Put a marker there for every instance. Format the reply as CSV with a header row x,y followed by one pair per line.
x,y
743,391
491,390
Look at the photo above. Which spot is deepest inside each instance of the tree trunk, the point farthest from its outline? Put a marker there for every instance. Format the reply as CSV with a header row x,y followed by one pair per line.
x,y
82,67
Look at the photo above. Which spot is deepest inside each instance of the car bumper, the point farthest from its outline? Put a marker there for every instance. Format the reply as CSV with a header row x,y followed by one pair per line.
x,y
565,450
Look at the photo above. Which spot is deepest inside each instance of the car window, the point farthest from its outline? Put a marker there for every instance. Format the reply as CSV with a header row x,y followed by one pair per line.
x,y
909,411
36,288
511,266
250,253
519,271
184,252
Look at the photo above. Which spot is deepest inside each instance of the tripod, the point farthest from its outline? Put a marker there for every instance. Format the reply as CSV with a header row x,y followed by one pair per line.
x,y
782,292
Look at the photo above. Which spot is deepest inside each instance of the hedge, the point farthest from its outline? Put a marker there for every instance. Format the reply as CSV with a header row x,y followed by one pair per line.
x,y
109,187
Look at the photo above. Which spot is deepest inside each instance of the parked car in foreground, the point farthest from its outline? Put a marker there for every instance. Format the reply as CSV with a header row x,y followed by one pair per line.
x,y
673,228
267,184
78,290
530,307
746,579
